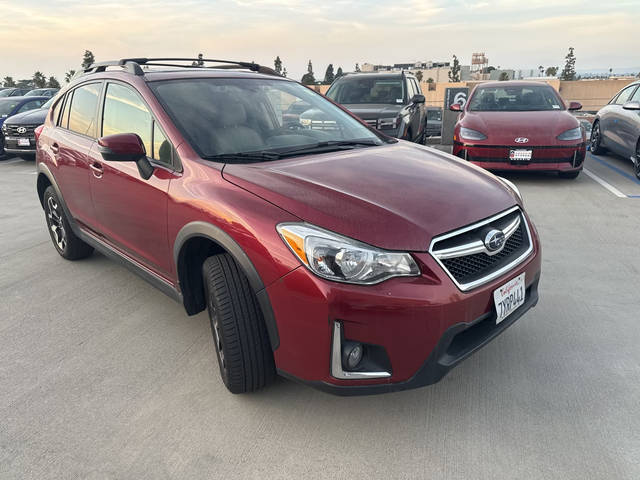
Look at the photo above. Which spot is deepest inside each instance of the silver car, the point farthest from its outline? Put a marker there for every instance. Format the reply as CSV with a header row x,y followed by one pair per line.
x,y
617,126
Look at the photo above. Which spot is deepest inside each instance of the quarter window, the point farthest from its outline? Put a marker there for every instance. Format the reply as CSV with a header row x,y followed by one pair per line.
x,y
636,96
624,95
82,114
124,112
161,146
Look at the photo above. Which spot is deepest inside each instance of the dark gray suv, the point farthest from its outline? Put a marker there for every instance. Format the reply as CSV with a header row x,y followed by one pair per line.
x,y
391,102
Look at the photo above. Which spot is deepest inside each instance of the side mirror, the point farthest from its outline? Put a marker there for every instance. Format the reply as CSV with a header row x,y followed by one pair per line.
x,y
126,147
575,106
418,98
455,107
631,106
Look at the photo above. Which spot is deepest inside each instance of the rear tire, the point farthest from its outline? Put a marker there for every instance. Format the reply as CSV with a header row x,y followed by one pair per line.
x,y
569,175
636,168
237,325
595,142
66,242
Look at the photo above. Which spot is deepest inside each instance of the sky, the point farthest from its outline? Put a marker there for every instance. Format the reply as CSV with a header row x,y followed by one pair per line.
x,y
51,35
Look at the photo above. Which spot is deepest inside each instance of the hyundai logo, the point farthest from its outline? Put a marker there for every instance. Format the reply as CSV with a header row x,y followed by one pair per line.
x,y
522,140
21,130
494,241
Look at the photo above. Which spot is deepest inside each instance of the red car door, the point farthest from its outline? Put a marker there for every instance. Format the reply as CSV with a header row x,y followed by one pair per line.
x,y
72,142
131,210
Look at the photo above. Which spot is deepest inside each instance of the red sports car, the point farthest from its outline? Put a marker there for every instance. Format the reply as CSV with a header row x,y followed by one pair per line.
x,y
518,125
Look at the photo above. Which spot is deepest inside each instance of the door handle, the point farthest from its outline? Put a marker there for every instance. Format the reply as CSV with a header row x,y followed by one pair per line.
x,y
55,148
96,168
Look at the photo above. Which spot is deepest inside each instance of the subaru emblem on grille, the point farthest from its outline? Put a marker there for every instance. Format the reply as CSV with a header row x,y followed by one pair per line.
x,y
21,130
494,240
522,140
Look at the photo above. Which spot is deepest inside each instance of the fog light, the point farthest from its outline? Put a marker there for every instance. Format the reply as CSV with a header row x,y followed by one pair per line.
x,y
354,355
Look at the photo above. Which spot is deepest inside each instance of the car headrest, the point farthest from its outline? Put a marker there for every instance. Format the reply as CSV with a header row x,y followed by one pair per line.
x,y
230,112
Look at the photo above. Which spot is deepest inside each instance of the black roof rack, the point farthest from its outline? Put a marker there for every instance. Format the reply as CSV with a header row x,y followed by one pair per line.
x,y
134,65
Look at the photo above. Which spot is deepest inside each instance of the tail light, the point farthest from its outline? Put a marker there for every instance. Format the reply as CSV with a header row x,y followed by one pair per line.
x,y
38,131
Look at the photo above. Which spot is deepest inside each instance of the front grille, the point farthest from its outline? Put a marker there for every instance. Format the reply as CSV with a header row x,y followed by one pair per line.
x,y
12,130
467,260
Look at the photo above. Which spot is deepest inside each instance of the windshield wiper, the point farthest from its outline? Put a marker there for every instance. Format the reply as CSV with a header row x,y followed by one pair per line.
x,y
249,157
329,146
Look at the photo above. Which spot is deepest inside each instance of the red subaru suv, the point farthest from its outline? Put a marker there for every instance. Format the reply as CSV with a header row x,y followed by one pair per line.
x,y
341,258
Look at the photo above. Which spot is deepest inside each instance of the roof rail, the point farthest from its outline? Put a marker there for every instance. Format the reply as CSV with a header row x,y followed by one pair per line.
x,y
134,65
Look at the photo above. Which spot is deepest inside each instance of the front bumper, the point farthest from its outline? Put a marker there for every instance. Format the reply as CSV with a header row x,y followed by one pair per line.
x,y
11,145
552,158
425,324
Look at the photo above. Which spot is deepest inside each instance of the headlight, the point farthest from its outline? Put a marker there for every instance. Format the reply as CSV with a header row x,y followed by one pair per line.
x,y
343,259
470,134
572,134
512,186
388,122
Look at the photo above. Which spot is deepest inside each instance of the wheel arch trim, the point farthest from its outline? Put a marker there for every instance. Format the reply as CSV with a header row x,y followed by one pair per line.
x,y
225,241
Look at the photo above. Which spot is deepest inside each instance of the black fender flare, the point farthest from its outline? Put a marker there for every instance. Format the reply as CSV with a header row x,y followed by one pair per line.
x,y
220,237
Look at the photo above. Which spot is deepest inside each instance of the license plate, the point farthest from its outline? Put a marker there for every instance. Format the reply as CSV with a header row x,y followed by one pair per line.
x,y
509,297
23,142
520,155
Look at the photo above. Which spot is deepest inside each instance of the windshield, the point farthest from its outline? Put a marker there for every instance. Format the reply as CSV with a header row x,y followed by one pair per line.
x,y
223,116
358,90
48,103
7,106
515,98
37,92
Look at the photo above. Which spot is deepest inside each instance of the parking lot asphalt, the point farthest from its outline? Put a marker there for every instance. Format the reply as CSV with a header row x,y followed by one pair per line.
x,y
104,377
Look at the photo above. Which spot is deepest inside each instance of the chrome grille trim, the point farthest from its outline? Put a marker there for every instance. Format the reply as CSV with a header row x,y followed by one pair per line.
x,y
476,247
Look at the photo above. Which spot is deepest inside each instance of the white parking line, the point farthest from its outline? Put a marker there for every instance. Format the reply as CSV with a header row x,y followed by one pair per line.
x,y
606,185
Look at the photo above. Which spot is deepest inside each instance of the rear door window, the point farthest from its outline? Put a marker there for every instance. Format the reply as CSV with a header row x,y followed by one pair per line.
x,y
84,105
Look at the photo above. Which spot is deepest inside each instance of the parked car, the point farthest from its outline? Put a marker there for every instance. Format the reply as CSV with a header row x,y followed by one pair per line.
x,y
18,131
343,258
434,121
43,92
617,126
12,106
14,92
392,103
519,125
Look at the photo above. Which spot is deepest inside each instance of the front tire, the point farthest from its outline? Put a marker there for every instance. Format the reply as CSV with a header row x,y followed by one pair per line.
x,y
237,325
596,140
66,242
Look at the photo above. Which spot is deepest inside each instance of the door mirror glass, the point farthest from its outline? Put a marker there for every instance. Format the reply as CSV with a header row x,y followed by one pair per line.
x,y
631,106
575,105
418,98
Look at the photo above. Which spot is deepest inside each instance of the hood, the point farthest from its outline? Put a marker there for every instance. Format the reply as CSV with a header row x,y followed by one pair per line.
x,y
502,128
394,196
32,117
370,111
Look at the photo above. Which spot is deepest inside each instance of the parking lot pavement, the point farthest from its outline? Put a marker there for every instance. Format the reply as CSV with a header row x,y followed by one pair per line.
x,y
102,376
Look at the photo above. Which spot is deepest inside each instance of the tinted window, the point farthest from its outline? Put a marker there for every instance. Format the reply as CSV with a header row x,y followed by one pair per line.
x,y
124,112
30,106
56,110
515,98
161,146
416,84
64,117
624,95
6,107
82,115
363,89
411,88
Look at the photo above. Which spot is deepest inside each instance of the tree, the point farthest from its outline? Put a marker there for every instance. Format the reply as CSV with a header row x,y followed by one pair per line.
x,y
25,83
429,80
88,59
277,65
503,76
419,75
454,73
489,69
284,71
358,68
569,70
338,73
69,75
308,78
53,82
551,71
541,70
329,76
8,82
39,80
